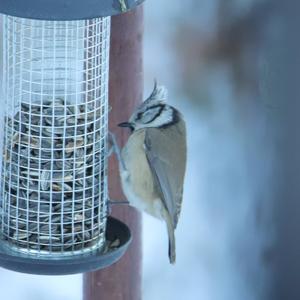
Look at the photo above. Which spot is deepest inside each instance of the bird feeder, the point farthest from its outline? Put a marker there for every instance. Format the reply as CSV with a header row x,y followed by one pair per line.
x,y
54,126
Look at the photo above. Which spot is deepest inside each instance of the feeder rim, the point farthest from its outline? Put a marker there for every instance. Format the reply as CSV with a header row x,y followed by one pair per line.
x,y
87,262
66,10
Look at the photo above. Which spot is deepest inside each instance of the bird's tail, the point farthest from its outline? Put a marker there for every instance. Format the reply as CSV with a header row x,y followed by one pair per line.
x,y
172,244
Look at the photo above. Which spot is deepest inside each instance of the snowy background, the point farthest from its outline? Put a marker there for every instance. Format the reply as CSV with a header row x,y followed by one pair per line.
x,y
207,53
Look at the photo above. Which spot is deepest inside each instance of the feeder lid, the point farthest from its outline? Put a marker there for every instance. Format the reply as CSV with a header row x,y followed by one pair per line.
x,y
77,264
65,10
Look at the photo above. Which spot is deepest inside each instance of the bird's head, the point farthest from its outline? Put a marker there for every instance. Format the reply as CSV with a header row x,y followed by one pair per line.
x,y
153,112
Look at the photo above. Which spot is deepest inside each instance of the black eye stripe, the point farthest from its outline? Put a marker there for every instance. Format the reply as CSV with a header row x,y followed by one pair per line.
x,y
140,115
156,115
157,105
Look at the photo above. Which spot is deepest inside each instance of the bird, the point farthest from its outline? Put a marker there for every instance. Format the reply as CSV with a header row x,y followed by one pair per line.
x,y
152,163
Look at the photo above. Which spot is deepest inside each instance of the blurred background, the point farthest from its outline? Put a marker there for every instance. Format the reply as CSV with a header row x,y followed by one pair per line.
x,y
207,53
217,59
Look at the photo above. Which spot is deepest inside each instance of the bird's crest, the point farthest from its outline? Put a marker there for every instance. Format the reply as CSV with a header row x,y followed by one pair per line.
x,y
159,93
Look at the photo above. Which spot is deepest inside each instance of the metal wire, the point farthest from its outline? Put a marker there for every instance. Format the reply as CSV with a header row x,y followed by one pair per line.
x,y
54,129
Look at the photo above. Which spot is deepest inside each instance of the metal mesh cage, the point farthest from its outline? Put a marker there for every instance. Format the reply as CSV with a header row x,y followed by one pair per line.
x,y
53,135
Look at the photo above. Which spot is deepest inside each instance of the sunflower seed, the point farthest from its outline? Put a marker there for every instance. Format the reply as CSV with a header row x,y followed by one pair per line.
x,y
44,208
33,227
46,143
69,243
45,229
45,177
46,239
54,130
48,162
18,223
71,121
31,173
24,152
21,235
115,244
78,218
58,176
60,187
73,145
84,236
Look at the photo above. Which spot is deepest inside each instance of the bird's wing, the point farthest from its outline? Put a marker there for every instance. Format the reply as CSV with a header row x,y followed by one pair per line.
x,y
166,154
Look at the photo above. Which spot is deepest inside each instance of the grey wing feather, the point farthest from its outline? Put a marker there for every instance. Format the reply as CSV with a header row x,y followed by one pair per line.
x,y
166,154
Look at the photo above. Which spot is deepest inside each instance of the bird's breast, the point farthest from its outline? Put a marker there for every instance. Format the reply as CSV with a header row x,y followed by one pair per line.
x,y
137,181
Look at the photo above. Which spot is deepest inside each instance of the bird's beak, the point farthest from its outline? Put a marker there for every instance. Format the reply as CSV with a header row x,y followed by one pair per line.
x,y
127,124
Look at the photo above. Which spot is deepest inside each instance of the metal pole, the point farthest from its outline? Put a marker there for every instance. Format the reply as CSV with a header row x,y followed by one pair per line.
x,y
122,281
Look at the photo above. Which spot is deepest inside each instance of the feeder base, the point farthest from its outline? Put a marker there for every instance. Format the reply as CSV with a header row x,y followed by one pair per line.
x,y
78,264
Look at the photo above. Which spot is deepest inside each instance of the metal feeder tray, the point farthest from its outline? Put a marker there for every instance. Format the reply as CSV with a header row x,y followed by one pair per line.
x,y
78,264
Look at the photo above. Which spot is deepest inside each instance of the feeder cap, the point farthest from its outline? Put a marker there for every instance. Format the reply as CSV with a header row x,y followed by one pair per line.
x,y
65,10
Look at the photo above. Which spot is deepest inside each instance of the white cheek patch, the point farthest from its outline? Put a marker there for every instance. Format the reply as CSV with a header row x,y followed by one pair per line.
x,y
165,117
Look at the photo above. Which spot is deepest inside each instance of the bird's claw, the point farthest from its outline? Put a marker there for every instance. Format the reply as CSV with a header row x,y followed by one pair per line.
x,y
115,148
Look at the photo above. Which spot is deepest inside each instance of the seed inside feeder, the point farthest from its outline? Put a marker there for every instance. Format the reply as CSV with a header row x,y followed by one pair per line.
x,y
53,172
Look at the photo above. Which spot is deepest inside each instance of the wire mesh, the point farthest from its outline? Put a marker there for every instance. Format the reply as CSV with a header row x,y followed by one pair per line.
x,y
54,129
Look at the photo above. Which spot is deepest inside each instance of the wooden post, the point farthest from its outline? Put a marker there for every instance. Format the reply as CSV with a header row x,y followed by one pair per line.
x,y
122,281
